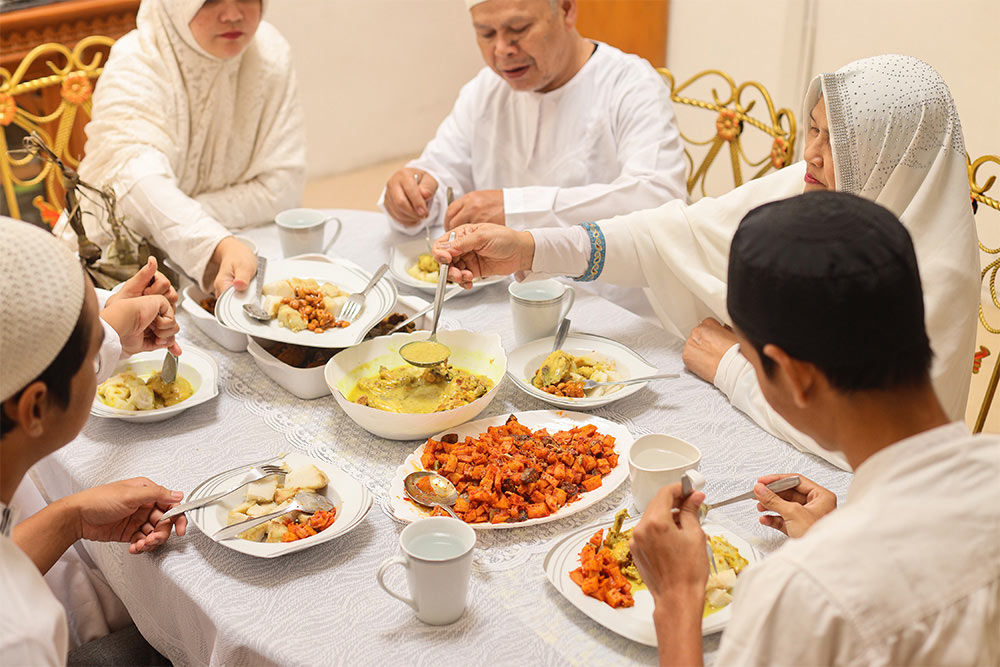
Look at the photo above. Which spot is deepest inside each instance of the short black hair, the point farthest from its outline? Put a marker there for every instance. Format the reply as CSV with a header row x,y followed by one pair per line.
x,y
59,374
831,279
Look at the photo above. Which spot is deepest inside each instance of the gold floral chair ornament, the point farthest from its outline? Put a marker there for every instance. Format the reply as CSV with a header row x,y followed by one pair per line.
x,y
977,191
74,81
732,116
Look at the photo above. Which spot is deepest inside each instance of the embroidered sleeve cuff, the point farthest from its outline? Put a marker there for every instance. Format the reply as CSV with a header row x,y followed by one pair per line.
x,y
598,251
560,251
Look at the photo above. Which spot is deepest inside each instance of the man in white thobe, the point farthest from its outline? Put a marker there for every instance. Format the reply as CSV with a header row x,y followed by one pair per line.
x,y
555,131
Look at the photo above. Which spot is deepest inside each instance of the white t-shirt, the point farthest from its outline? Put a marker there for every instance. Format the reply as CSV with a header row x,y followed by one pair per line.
x,y
906,572
32,622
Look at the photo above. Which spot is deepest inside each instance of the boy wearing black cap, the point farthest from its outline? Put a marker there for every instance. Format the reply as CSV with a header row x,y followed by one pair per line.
x,y
825,297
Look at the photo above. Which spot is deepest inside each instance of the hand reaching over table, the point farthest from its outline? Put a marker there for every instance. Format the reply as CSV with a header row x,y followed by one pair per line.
x,y
798,509
407,194
481,250
479,206
237,265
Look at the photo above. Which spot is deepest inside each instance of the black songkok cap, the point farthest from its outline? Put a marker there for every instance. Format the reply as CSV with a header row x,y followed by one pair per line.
x,y
828,277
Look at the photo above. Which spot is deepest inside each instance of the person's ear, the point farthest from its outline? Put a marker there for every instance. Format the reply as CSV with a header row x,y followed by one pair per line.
x,y
29,409
569,9
799,377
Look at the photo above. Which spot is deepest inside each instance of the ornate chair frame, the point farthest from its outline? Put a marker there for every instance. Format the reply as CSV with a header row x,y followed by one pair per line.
x,y
75,80
977,191
732,115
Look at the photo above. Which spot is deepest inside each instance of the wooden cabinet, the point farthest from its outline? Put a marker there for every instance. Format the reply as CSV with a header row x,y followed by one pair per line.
x,y
634,26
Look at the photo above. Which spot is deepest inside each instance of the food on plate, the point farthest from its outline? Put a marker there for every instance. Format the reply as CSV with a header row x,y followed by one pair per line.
x,y
608,573
267,496
127,391
208,303
413,390
562,374
425,268
301,356
301,304
511,473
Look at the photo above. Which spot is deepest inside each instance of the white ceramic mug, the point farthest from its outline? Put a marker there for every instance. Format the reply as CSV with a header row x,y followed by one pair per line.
x,y
437,555
658,460
538,306
301,231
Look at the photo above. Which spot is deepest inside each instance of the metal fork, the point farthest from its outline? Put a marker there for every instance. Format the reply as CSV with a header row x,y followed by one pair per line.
x,y
352,307
591,384
259,472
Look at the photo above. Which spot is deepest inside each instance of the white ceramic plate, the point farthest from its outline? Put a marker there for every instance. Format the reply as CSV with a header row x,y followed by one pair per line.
x,y
349,496
345,275
636,622
553,420
404,255
525,360
194,365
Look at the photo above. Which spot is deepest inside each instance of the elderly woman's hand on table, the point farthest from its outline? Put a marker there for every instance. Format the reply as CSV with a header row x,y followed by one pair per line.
x,y
705,347
484,249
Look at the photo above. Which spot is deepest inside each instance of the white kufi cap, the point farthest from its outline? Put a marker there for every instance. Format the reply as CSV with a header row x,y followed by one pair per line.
x,y
41,296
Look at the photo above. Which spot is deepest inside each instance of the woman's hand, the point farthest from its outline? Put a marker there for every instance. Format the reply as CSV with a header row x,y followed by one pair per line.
x,y
483,249
706,346
798,509
126,511
237,265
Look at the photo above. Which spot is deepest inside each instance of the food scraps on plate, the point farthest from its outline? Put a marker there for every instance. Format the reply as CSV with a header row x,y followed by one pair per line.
x,y
510,473
302,304
267,496
562,374
127,391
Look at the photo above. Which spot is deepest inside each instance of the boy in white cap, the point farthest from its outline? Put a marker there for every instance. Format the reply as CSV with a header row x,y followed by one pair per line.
x,y
555,131
49,356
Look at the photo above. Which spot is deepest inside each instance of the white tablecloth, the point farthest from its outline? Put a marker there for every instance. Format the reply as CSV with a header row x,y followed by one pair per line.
x,y
198,602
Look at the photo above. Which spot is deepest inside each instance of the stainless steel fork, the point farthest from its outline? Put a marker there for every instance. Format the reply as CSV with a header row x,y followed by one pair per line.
x,y
352,307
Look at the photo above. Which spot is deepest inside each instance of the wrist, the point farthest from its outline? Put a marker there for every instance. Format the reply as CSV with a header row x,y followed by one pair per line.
x,y
528,250
66,519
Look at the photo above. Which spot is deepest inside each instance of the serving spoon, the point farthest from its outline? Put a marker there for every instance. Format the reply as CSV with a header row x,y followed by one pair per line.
x,y
434,352
443,493
253,309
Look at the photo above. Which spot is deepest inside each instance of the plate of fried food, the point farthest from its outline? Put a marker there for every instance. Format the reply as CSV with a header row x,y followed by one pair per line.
x,y
593,569
290,531
135,392
557,377
304,298
412,264
520,470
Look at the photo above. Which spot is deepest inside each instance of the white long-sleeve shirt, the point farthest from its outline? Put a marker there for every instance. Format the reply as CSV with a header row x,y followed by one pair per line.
x,y
603,144
906,572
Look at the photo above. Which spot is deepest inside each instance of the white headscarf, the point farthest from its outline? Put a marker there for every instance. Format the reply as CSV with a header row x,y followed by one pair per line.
x,y
217,122
31,339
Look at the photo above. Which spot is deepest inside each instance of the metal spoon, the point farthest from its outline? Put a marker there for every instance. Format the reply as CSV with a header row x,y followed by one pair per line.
x,y
309,502
437,352
590,384
253,308
443,493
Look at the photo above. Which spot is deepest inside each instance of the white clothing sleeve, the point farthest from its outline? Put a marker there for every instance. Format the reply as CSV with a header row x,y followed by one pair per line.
x,y
737,379
111,347
174,222
560,252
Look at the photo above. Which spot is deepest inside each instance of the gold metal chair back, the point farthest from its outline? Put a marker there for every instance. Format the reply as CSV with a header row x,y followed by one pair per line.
x,y
57,105
732,112
989,244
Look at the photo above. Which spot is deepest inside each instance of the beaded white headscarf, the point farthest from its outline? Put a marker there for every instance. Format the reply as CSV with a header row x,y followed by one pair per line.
x,y
42,288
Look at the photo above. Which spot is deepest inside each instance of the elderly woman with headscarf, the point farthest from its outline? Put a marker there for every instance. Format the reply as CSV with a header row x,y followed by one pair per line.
x,y
884,128
197,128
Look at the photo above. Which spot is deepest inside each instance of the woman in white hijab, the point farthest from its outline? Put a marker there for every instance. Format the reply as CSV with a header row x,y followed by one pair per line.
x,y
196,125
884,128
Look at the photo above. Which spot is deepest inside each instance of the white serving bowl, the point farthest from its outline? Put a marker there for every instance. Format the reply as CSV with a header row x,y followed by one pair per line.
x,y
234,341
478,353
309,383
194,365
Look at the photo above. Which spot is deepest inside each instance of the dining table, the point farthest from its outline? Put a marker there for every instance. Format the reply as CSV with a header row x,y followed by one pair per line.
x,y
198,602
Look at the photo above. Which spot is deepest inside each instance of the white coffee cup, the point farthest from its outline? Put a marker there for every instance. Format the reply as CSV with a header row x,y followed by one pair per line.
x,y
658,460
437,555
538,306
301,231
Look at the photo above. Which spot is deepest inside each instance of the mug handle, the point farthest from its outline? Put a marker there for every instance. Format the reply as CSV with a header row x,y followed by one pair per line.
x,y
386,564
569,303
336,234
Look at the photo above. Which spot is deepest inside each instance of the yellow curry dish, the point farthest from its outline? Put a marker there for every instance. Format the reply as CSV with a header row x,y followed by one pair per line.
x,y
718,590
412,390
563,374
426,269
127,391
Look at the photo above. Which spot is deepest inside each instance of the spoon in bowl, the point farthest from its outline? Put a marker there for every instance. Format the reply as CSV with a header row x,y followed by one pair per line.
x,y
442,492
430,352
253,309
